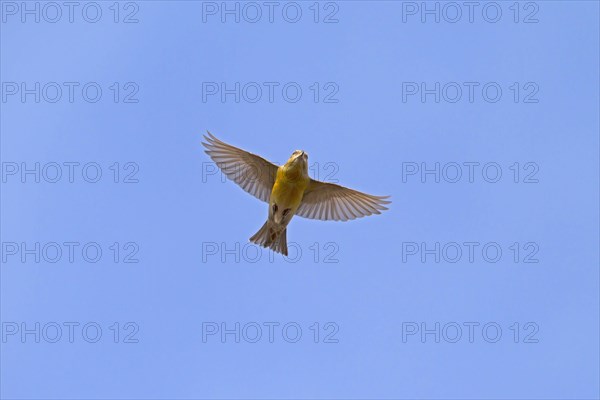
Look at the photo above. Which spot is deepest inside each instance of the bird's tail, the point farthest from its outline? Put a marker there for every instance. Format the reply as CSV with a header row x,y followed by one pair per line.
x,y
271,237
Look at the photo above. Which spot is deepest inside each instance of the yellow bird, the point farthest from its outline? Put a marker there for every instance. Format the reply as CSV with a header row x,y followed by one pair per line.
x,y
289,191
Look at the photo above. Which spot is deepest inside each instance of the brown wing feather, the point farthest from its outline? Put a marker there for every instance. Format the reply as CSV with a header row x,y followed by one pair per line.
x,y
327,201
252,173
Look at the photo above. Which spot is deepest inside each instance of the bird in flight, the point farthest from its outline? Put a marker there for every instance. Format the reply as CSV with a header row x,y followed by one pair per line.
x,y
289,191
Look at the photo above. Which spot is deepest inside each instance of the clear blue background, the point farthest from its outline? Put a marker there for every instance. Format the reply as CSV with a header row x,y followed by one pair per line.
x,y
369,133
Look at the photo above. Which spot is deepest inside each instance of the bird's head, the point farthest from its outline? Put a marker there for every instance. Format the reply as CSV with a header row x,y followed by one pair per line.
x,y
299,156
298,159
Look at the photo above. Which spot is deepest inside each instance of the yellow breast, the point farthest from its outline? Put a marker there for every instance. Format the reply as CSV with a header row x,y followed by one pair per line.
x,y
288,189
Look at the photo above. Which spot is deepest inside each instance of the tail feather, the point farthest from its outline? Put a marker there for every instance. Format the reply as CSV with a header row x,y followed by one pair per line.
x,y
280,244
268,236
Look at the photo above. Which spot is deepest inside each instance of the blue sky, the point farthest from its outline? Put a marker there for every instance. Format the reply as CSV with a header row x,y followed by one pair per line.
x,y
481,281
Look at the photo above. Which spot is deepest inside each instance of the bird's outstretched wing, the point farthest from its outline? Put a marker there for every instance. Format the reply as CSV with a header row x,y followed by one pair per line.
x,y
327,201
253,173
